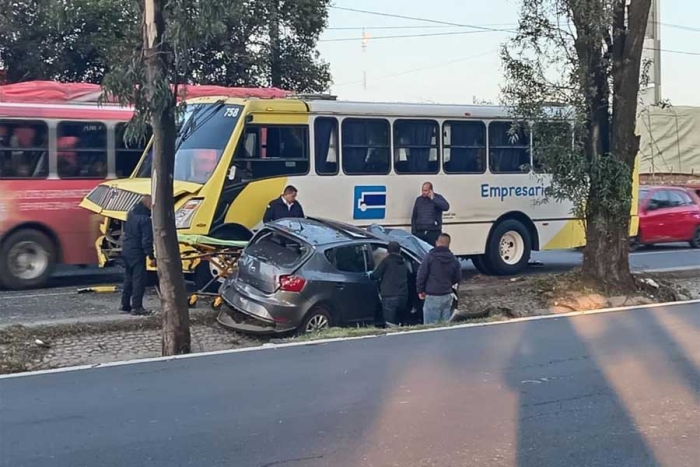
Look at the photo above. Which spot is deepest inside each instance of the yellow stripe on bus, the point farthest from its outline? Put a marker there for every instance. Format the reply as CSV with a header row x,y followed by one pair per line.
x,y
249,206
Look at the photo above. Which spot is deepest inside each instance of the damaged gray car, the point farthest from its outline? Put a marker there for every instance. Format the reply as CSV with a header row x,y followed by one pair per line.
x,y
304,275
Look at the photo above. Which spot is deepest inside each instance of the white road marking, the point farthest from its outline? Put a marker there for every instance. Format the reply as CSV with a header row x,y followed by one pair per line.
x,y
23,297
267,347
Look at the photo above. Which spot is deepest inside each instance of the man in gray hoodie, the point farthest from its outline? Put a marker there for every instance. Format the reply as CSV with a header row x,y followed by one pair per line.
x,y
426,221
438,272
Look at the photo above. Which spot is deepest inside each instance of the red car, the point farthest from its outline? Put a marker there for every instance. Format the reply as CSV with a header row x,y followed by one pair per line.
x,y
668,214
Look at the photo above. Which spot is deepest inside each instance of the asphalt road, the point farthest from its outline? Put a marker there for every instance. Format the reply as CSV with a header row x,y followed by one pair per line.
x,y
617,389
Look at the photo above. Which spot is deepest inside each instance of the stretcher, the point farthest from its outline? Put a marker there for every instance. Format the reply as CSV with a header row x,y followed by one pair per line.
x,y
221,256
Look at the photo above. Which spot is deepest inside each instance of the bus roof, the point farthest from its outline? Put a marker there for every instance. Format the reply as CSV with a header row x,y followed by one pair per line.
x,y
50,92
384,109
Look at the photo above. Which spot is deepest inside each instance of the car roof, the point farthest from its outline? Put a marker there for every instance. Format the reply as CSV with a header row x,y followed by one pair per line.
x,y
317,232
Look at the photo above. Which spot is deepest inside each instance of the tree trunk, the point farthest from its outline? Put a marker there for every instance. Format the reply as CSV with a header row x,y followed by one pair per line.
x,y
176,324
275,69
606,256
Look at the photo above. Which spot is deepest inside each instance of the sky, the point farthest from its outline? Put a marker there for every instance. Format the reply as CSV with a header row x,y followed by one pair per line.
x,y
440,66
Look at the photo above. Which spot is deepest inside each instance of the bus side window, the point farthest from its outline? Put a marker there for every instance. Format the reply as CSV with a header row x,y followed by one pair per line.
x,y
416,147
82,150
272,151
366,147
464,147
326,146
23,149
509,148
128,151
548,137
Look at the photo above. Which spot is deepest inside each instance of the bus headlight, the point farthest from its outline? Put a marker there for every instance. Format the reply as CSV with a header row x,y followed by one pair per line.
x,y
184,215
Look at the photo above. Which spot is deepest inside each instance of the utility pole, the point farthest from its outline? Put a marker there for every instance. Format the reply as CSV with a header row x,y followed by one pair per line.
x,y
158,59
365,40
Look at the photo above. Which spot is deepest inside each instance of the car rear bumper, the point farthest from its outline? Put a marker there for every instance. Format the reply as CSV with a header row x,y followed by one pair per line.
x,y
251,312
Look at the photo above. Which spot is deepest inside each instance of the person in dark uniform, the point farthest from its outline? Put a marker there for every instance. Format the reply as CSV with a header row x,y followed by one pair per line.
x,y
137,246
285,206
426,221
392,274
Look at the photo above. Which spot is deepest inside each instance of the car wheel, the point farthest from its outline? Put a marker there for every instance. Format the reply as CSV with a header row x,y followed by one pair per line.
x,y
695,241
481,264
508,249
634,243
317,319
27,259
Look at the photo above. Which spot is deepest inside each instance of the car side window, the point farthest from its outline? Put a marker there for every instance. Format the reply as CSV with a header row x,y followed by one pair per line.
x,y
659,200
679,199
348,258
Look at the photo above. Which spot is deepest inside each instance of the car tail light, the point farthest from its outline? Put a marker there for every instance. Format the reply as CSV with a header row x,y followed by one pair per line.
x,y
292,283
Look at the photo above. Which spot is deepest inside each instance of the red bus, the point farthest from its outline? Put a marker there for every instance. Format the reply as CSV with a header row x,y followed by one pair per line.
x,y
51,156
57,144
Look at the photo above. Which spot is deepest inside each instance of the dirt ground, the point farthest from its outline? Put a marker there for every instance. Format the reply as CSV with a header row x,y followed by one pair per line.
x,y
481,298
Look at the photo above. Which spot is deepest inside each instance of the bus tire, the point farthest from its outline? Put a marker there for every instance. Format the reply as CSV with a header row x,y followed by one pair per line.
x,y
481,264
27,259
508,249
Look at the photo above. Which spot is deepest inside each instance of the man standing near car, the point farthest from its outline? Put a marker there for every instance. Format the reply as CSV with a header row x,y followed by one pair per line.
x,y
426,221
392,274
137,245
285,206
438,272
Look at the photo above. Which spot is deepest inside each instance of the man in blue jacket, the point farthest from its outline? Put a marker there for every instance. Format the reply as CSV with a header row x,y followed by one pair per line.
x,y
426,221
284,206
438,272
137,245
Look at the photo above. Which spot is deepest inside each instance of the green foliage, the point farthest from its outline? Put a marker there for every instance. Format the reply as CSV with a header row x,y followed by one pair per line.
x,y
213,42
558,68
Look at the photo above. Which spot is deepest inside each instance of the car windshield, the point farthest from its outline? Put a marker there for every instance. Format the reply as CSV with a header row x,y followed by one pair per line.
x,y
205,131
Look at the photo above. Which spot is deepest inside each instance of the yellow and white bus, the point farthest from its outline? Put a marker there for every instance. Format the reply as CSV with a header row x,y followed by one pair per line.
x,y
360,163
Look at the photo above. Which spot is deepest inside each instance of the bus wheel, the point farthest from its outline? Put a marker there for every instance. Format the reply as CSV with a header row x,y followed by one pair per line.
x,y
481,264
508,250
27,258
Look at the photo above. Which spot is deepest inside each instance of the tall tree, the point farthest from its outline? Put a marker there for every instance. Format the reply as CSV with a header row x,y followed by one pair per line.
x,y
580,61
258,43
150,81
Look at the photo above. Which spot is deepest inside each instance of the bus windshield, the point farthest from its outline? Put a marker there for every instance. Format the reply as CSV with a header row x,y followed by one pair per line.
x,y
203,136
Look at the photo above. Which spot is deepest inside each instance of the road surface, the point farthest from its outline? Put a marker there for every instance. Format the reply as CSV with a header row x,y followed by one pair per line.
x,y
616,389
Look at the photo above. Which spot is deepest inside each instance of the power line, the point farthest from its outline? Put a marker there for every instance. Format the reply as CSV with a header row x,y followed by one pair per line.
x,y
416,70
412,18
403,36
369,28
682,52
679,26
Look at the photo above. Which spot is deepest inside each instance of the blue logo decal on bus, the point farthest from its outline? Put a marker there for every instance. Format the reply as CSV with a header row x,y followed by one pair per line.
x,y
370,202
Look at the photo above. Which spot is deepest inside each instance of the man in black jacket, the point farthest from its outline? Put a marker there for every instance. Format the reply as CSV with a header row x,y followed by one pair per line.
x,y
284,206
137,245
438,272
392,274
426,221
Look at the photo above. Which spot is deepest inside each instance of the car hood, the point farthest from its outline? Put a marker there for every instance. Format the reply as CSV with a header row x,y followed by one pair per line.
x,y
407,241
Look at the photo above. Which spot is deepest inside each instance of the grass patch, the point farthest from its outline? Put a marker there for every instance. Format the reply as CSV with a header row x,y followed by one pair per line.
x,y
341,333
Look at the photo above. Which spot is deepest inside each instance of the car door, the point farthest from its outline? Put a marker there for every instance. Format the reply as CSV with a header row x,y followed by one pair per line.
x,y
657,217
684,212
356,296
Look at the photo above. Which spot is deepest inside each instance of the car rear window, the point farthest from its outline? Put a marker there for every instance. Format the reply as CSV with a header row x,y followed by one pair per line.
x,y
277,249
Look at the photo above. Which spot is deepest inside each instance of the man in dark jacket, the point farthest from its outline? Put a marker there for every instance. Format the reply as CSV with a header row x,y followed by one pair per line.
x,y
392,274
426,221
284,206
438,272
137,245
